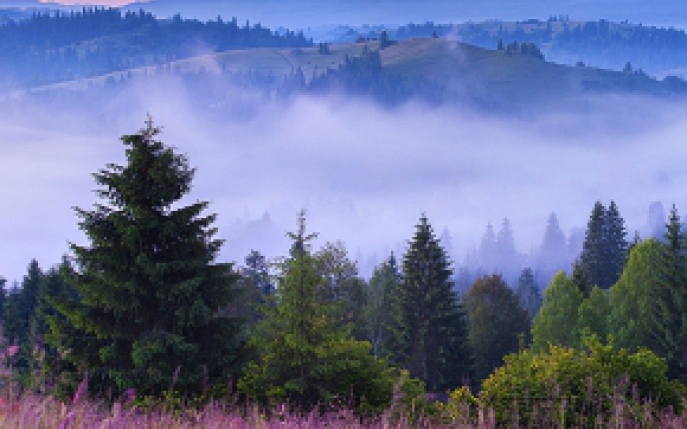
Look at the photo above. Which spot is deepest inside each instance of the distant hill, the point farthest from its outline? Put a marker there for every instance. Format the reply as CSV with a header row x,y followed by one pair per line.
x,y
434,70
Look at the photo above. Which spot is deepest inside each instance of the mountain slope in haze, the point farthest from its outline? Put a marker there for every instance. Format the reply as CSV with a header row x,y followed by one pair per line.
x,y
437,71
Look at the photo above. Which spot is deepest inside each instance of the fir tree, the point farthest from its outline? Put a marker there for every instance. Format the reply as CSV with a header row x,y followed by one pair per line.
x,y
669,298
528,293
149,292
305,356
616,245
592,258
430,327
605,246
378,305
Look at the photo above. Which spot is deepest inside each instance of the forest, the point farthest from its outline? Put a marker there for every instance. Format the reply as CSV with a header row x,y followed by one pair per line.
x,y
52,47
144,316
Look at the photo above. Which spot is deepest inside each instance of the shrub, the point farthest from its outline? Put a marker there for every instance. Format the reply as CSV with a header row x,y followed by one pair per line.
x,y
566,385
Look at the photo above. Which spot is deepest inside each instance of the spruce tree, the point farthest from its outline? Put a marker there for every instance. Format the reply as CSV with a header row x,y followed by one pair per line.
x,y
430,325
305,356
378,305
616,245
669,298
592,257
528,293
146,315
605,246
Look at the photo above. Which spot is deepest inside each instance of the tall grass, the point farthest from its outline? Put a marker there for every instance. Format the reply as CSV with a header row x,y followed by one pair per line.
x,y
39,412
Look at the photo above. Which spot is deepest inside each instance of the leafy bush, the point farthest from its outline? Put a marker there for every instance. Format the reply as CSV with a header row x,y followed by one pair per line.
x,y
566,385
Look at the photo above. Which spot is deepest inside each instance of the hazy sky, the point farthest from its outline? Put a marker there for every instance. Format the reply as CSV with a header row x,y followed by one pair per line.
x,y
365,173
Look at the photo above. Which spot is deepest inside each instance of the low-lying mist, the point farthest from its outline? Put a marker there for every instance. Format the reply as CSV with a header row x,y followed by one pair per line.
x,y
365,173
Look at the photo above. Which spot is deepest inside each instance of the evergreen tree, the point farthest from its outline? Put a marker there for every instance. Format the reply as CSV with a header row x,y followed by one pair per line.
x,y
616,245
605,246
497,322
430,327
31,287
580,281
669,300
378,305
528,293
305,356
553,254
592,257
149,293
343,285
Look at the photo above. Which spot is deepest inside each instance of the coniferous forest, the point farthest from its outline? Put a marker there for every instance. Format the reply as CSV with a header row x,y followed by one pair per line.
x,y
145,323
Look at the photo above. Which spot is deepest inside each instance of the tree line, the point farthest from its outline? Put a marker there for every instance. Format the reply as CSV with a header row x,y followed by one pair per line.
x,y
146,306
52,47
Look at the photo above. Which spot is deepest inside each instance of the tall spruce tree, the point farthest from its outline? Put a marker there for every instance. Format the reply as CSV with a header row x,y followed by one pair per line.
x,y
378,304
605,246
528,293
616,244
149,292
430,325
593,252
669,298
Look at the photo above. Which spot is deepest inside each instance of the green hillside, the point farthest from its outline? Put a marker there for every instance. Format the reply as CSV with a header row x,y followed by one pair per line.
x,y
498,79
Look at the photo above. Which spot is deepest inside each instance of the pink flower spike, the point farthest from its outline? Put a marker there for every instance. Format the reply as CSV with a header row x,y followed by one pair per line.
x,y
12,350
81,390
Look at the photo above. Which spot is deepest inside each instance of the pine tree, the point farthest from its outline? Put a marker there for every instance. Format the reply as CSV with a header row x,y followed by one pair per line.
x,y
528,293
378,305
430,327
592,257
149,292
669,298
605,246
305,356
616,245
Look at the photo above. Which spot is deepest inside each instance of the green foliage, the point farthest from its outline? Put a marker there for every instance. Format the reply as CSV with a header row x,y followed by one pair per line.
x,y
306,357
669,300
429,329
593,313
497,323
378,305
528,293
605,246
557,321
631,298
577,385
148,294
343,286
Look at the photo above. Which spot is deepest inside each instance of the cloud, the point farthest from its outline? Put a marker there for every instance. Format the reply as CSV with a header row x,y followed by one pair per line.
x,y
365,173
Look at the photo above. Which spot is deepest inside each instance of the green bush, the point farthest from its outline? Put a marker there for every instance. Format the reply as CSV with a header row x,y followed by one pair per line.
x,y
575,386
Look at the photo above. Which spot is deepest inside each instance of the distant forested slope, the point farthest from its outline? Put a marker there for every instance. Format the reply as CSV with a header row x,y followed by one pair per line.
x,y
600,43
52,47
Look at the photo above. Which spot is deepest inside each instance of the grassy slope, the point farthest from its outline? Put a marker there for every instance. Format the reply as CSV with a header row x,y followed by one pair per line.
x,y
477,73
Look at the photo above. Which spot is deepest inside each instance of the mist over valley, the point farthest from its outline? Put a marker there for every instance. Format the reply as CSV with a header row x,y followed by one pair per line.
x,y
366,136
